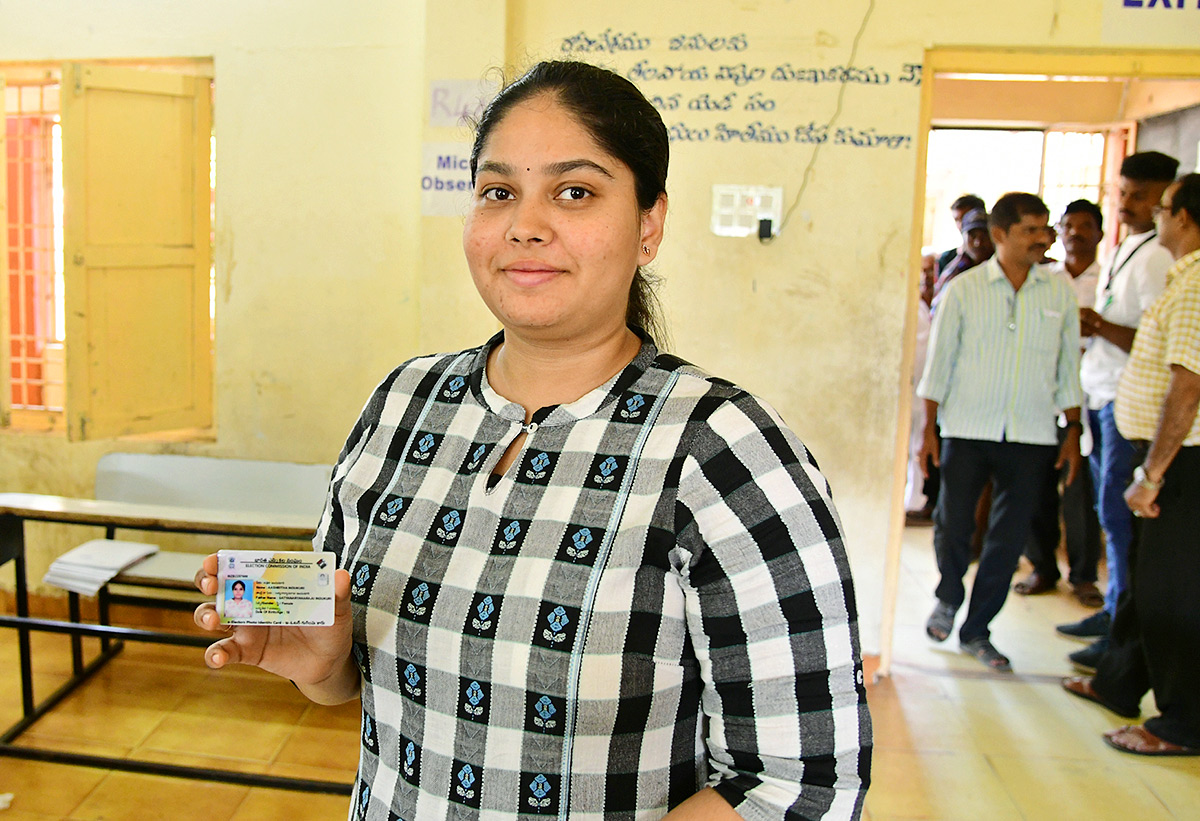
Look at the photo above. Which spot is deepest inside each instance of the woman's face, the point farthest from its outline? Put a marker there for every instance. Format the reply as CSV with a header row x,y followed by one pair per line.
x,y
238,591
554,233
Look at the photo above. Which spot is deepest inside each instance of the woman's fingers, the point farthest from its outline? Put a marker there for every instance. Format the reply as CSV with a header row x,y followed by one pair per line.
x,y
206,617
297,653
220,653
341,591
244,645
206,584
206,576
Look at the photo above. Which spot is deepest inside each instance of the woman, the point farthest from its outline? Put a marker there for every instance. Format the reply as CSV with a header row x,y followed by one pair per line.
x,y
581,577
237,606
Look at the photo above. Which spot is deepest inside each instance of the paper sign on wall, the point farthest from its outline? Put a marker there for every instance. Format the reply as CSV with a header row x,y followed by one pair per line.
x,y
445,179
454,103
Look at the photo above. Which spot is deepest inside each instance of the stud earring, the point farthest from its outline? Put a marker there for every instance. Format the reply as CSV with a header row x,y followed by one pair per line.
x,y
646,250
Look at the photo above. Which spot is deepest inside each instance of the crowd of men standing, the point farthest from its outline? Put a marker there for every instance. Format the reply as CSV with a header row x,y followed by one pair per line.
x,y
1033,362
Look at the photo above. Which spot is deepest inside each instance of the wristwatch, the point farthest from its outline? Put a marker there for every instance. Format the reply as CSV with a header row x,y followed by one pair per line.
x,y
1142,480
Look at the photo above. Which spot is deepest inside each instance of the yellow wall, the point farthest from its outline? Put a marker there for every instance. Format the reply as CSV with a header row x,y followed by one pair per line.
x,y
317,250
328,275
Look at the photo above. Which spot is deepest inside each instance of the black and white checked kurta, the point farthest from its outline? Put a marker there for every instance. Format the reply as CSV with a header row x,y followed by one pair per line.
x,y
654,597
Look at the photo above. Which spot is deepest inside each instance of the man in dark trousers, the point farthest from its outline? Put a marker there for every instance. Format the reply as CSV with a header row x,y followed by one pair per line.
x,y
1003,361
1156,409
1081,231
1131,280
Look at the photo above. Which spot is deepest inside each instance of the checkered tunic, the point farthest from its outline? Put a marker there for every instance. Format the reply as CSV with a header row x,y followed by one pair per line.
x,y
653,598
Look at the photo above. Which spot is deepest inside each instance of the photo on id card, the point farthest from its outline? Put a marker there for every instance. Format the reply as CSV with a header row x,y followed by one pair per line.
x,y
283,588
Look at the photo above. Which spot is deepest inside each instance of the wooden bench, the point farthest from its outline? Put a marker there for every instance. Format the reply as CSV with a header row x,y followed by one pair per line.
x,y
202,483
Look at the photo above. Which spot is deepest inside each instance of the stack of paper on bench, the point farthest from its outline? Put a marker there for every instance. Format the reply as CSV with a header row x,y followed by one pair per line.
x,y
90,566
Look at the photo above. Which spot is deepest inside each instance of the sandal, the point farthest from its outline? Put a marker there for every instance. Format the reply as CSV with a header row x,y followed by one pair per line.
x,y
1136,739
1082,686
941,622
983,650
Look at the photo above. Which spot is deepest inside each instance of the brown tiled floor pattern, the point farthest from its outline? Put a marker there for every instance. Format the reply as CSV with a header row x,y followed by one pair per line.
x,y
953,741
159,703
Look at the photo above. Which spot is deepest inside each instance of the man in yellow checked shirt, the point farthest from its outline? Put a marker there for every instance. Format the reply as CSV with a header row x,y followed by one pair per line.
x,y
1156,408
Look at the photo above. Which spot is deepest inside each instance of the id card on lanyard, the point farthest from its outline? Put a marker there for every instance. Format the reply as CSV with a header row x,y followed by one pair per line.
x,y
1109,296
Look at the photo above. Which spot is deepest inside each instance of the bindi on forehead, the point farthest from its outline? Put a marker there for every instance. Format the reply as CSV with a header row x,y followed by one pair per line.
x,y
553,169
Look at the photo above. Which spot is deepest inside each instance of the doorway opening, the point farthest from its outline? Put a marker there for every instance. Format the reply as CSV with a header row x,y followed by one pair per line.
x,y
1063,101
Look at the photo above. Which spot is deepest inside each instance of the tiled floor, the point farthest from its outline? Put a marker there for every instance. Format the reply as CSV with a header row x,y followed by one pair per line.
x,y
159,703
952,741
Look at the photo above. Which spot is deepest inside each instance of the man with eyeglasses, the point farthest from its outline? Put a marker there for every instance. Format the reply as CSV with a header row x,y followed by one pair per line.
x,y
1130,281
1156,408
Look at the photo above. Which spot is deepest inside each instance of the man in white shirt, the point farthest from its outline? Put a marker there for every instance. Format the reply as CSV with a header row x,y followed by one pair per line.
x,y
1131,280
1081,230
918,500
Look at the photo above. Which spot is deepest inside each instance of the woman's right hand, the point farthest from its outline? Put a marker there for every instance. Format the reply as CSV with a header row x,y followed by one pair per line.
x,y
317,659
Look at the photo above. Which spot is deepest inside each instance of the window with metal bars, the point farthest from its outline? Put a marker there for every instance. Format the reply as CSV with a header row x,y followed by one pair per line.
x,y
106,206
34,246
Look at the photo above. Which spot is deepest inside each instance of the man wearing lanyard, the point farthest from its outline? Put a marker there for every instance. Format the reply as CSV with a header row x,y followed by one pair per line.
x,y
1130,282
1003,361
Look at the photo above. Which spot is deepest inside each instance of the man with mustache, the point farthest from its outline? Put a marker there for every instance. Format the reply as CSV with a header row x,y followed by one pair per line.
x,y
1003,362
1133,278
1156,408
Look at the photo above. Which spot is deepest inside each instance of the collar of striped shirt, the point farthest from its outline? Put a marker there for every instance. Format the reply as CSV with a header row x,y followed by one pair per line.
x,y
1037,273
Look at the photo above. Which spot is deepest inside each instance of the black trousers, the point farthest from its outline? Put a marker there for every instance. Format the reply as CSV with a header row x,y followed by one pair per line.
x,y
1166,595
967,464
1156,631
1080,526
1121,674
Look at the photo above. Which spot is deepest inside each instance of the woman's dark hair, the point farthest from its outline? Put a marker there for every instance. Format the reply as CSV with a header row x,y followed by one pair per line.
x,y
238,583
622,122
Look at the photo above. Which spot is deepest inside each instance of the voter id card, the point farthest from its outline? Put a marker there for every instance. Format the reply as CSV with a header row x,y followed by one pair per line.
x,y
287,588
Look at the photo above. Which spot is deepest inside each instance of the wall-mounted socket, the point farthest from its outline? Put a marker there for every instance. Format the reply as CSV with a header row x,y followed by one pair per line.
x,y
738,210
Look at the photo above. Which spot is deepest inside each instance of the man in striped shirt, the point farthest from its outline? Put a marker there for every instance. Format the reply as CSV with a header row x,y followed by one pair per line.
x,y
1003,362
